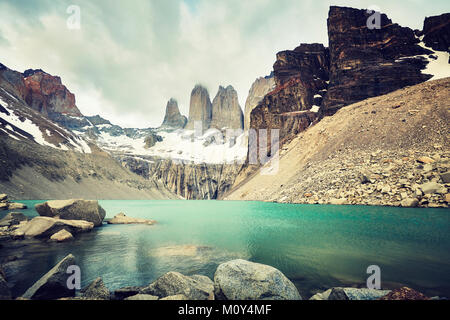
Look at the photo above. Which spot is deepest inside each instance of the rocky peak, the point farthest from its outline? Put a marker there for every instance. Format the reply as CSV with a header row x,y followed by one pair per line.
x,y
226,111
436,32
369,62
173,117
259,89
200,108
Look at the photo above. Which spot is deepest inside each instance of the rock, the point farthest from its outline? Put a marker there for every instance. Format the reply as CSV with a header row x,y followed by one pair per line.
x,y
142,297
87,210
436,32
244,280
226,111
259,89
177,297
445,177
151,140
447,198
3,206
121,218
3,197
61,236
340,201
96,290
53,285
200,108
410,202
173,117
322,295
404,293
122,293
425,160
431,187
356,294
196,287
13,218
16,206
44,227
5,292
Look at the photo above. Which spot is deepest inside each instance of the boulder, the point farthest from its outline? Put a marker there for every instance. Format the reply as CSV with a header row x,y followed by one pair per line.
x,y
425,160
321,295
3,206
96,290
356,294
142,297
404,293
447,198
431,187
196,287
87,210
53,285
340,201
445,177
410,202
122,293
12,218
3,197
16,206
45,227
121,218
61,236
244,280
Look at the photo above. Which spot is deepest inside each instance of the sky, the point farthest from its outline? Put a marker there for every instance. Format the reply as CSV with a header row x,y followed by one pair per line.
x,y
128,58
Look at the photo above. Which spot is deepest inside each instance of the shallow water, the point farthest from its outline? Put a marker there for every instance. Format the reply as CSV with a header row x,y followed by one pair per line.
x,y
316,246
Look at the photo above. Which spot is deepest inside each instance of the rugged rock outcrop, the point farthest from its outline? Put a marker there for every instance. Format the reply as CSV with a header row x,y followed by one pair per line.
x,y
244,280
86,210
377,61
226,111
200,108
96,290
61,236
173,118
121,218
436,32
53,285
259,89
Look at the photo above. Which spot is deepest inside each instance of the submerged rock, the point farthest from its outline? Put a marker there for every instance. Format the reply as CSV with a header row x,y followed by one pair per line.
x,y
45,227
244,280
87,210
196,287
53,285
61,236
356,294
121,218
96,290
16,206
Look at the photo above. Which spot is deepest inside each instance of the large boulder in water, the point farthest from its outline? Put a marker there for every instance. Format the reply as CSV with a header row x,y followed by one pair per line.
x,y
12,219
96,290
45,227
339,293
87,210
53,285
244,280
196,287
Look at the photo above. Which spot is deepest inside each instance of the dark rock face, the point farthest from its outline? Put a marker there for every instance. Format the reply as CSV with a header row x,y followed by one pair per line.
x,y
173,118
96,290
226,111
200,108
259,89
367,63
436,32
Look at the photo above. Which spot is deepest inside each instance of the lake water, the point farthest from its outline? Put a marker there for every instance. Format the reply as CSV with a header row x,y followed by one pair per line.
x,y
315,246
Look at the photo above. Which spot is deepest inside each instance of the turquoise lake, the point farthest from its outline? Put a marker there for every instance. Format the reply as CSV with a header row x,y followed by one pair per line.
x,y
315,246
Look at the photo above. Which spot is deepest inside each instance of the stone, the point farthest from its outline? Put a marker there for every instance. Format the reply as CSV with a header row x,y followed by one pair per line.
x,y
226,111
44,227
53,285
87,210
177,297
340,201
142,297
431,187
436,31
61,236
245,280
410,202
356,294
13,218
96,290
200,109
121,218
16,206
321,295
173,118
151,140
3,197
425,160
445,177
196,287
404,293
3,206
122,293
447,198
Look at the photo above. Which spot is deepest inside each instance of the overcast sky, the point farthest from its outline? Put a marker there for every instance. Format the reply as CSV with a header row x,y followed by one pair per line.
x,y
130,57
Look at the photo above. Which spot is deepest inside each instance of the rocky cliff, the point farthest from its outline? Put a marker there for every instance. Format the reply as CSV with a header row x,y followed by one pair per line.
x,y
436,32
200,108
173,118
226,111
258,90
369,62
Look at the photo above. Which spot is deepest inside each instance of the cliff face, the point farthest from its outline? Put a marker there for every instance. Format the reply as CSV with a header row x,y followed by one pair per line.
x,y
436,32
367,63
173,118
200,108
226,111
259,89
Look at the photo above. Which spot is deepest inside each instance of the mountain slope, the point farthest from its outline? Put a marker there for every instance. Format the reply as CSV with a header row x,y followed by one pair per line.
x,y
370,152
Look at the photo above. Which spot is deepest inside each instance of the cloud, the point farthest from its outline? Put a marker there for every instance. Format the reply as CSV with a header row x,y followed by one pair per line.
x,y
130,57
